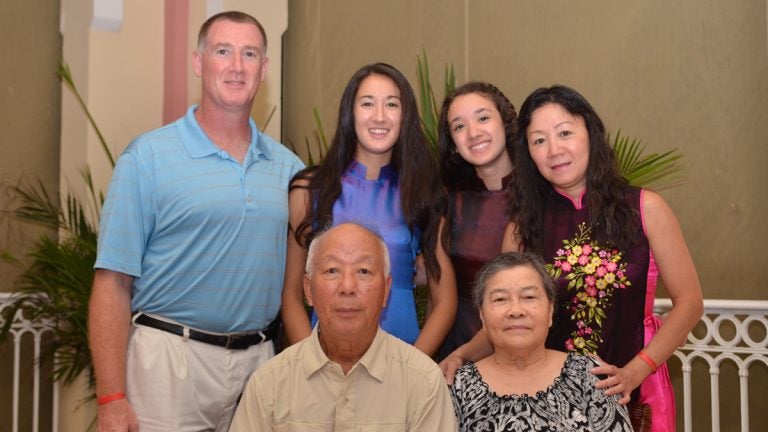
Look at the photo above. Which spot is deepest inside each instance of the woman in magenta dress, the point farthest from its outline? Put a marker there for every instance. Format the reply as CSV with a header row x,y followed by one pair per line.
x,y
606,243
378,172
476,133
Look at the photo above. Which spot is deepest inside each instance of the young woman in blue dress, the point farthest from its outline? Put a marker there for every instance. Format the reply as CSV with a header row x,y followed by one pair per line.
x,y
380,173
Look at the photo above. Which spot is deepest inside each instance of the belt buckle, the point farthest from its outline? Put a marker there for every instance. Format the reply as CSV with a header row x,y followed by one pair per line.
x,y
233,338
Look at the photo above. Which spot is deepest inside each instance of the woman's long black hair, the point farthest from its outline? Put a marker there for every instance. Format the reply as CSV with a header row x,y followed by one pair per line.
x,y
422,197
613,219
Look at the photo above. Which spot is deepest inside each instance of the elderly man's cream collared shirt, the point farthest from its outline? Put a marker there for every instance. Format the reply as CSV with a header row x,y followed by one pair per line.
x,y
394,387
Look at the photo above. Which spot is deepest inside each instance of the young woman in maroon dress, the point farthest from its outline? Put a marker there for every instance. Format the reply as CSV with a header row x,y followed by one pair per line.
x,y
476,133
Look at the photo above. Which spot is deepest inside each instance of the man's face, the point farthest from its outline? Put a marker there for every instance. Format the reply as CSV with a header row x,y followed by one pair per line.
x,y
347,284
232,65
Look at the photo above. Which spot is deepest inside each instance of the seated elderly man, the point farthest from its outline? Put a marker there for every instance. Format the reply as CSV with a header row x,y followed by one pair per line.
x,y
349,374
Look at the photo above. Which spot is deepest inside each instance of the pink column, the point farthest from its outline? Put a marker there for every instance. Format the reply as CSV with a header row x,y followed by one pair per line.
x,y
176,60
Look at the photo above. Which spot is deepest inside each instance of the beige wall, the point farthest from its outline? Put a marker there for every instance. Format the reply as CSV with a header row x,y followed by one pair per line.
x,y
686,74
29,114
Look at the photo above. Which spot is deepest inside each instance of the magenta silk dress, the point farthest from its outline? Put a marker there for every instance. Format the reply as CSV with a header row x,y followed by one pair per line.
x,y
478,217
605,297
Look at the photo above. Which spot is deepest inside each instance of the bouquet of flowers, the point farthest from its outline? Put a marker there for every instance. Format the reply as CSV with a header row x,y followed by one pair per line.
x,y
593,272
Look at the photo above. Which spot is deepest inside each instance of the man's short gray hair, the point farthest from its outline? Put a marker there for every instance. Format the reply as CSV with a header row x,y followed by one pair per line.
x,y
319,237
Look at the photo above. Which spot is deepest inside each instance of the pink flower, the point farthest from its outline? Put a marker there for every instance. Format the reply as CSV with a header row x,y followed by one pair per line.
x,y
602,254
590,280
588,330
611,266
620,274
583,260
558,263
569,345
592,291
580,323
601,294
586,249
566,266
560,252
600,271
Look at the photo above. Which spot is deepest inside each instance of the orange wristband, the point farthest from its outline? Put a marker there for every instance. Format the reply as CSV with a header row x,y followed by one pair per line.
x,y
648,360
103,400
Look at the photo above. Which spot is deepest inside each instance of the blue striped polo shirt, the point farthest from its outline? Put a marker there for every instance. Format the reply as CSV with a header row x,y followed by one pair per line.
x,y
204,236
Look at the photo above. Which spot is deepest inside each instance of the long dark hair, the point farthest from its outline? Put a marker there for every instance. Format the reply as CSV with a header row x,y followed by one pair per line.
x,y
612,218
454,170
421,195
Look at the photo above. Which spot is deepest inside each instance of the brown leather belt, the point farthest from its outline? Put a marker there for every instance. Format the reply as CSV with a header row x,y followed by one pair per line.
x,y
234,341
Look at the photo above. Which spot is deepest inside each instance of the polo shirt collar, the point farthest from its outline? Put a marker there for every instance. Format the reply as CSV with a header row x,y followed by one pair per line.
x,y
374,360
198,145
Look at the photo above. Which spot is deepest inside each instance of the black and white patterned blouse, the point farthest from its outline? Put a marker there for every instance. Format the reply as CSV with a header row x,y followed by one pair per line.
x,y
571,403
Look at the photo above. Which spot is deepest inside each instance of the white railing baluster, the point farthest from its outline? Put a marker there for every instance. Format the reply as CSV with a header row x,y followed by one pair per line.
x,y
36,387
744,398
16,373
687,369
55,415
714,374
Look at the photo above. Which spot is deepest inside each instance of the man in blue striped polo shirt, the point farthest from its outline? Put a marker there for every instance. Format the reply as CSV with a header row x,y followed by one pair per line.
x,y
192,250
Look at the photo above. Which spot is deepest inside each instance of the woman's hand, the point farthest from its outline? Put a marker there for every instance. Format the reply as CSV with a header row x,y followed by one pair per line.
x,y
450,365
620,381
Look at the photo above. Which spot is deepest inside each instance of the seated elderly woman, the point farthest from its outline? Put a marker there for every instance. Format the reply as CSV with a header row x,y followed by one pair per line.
x,y
523,385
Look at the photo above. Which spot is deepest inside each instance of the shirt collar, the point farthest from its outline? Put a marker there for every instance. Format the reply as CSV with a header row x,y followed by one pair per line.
x,y
357,169
374,360
577,203
198,145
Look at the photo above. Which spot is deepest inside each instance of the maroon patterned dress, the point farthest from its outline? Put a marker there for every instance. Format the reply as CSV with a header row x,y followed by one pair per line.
x,y
605,296
478,217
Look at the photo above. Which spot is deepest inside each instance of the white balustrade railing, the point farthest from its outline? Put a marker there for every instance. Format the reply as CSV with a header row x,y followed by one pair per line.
x,y
20,327
743,318
740,316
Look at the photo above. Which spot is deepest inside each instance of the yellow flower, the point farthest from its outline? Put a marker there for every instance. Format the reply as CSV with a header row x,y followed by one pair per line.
x,y
596,261
610,278
591,302
579,342
576,250
600,284
573,259
581,296
589,268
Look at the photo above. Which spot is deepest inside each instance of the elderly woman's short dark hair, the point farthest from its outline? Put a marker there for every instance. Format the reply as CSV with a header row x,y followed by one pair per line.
x,y
507,261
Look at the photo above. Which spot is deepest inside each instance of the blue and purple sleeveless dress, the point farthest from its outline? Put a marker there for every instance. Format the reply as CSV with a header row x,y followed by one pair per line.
x,y
376,204
605,296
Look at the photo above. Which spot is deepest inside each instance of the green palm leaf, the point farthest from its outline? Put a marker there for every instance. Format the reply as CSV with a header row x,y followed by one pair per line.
x,y
430,109
651,171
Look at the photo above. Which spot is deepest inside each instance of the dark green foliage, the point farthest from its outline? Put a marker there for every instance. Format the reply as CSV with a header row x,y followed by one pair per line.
x,y
55,281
